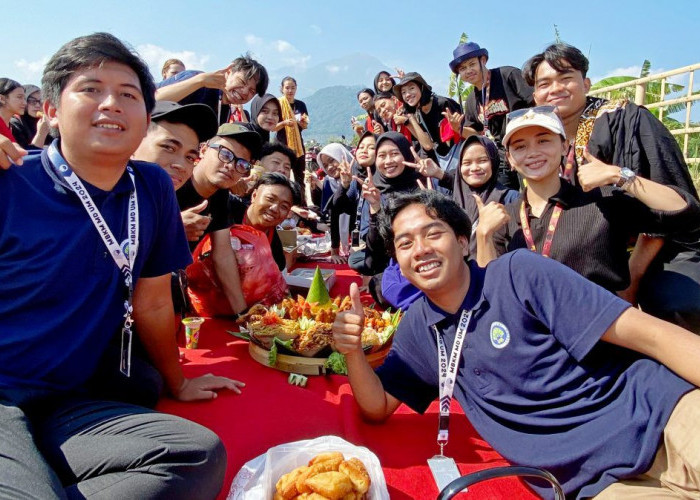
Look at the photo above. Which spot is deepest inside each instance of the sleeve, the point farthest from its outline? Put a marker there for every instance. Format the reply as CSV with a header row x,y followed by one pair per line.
x,y
400,372
522,92
396,289
375,243
448,180
219,211
170,250
278,252
471,113
335,227
576,311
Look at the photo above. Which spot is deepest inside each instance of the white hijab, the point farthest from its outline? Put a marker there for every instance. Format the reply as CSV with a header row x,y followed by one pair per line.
x,y
339,153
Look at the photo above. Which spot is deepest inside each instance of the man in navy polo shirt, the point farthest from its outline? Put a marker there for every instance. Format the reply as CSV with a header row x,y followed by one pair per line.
x,y
530,371
88,243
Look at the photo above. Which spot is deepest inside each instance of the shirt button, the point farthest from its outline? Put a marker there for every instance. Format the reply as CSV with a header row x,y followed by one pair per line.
x,y
477,372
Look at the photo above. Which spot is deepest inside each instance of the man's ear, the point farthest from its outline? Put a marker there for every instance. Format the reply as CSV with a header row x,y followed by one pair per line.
x,y
464,242
51,112
587,84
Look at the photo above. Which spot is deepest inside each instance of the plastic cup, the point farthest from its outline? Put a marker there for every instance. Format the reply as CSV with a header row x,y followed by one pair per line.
x,y
192,326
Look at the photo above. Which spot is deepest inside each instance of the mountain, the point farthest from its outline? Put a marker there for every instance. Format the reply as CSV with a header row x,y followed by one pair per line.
x,y
330,110
354,69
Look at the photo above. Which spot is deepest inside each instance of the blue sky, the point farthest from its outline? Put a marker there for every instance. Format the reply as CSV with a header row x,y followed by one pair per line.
x,y
414,35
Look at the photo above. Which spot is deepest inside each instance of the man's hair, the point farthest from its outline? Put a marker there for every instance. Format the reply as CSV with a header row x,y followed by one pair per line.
x,y
437,205
93,51
559,56
277,147
277,179
252,70
168,63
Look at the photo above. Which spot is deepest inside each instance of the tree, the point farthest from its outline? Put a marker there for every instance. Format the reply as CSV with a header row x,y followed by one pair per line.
x,y
457,87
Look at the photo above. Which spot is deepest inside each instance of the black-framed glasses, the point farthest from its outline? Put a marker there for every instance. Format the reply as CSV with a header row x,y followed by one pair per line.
x,y
226,156
537,110
32,100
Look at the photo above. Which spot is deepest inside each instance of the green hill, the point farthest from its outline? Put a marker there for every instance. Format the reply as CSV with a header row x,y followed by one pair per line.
x,y
330,110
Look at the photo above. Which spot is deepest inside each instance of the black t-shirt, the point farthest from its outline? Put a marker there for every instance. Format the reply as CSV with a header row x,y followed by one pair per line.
x,y
237,207
188,197
433,118
507,92
299,108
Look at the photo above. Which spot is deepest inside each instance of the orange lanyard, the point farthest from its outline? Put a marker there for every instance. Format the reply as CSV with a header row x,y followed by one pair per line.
x,y
552,227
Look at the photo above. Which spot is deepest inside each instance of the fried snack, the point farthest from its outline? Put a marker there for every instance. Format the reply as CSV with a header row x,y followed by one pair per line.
x,y
256,310
312,340
356,471
335,456
332,484
310,496
286,485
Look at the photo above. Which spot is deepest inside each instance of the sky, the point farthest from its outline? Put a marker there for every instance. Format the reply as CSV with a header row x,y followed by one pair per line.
x,y
418,36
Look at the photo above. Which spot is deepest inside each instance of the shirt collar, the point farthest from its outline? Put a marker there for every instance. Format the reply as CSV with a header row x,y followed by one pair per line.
x,y
566,194
472,300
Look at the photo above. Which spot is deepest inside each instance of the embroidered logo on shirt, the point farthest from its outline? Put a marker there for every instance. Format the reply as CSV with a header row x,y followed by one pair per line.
x,y
500,336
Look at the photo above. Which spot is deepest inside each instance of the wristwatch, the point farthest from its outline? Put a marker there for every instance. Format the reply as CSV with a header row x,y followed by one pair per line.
x,y
627,177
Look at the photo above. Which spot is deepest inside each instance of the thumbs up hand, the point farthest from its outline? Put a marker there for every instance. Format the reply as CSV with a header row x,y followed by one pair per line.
x,y
492,217
195,224
348,325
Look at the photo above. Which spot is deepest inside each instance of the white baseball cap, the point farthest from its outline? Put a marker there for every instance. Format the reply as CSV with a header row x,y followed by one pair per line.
x,y
539,116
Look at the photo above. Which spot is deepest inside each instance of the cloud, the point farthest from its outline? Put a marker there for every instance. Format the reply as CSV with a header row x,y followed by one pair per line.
x,y
276,53
155,56
316,29
31,70
334,69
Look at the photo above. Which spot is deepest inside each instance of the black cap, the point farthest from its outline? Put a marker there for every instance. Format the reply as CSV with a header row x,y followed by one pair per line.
x,y
241,132
199,117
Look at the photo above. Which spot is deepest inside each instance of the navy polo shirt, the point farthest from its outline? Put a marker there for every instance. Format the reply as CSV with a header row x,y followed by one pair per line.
x,y
61,294
533,378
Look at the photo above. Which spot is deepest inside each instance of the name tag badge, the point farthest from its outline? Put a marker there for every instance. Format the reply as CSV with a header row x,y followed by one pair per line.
x,y
125,358
444,470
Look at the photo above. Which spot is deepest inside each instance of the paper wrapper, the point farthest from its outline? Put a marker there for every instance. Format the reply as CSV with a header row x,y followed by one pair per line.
x,y
192,326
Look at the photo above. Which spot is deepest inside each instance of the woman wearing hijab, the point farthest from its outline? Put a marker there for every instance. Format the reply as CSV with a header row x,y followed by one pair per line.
x,y
383,82
265,115
31,129
12,102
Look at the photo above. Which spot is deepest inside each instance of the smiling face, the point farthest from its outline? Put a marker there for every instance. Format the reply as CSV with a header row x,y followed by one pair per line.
x,y
331,165
277,162
410,93
428,252
289,89
269,115
389,160
269,205
365,153
386,108
365,101
471,71
536,153
101,114
384,82
566,90
476,165
238,89
173,146
216,172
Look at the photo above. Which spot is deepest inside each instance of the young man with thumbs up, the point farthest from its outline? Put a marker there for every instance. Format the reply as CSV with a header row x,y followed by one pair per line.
x,y
608,419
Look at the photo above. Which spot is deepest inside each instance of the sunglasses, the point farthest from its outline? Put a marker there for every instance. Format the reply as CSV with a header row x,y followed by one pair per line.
x,y
32,100
227,157
538,110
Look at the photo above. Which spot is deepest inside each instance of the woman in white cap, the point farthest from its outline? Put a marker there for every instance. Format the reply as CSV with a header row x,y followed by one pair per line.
x,y
587,230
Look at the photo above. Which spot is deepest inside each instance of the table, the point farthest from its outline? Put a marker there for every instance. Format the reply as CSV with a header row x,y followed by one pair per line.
x,y
270,412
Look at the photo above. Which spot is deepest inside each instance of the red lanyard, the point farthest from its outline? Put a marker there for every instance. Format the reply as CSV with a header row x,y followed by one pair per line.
x,y
568,173
553,221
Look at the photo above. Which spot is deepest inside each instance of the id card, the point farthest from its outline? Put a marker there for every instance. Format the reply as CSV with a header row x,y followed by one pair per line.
x,y
355,238
125,358
444,470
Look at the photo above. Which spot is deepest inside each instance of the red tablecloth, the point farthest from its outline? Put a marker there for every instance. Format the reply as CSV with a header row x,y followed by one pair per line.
x,y
270,412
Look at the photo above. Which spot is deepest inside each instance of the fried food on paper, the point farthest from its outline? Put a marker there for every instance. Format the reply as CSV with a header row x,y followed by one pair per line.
x,y
355,470
332,484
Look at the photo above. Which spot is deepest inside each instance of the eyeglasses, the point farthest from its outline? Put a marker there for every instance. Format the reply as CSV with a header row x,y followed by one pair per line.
x,y
227,157
537,110
33,101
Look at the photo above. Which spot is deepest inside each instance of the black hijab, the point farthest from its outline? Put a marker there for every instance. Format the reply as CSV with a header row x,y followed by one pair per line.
x,y
376,81
406,180
491,190
256,106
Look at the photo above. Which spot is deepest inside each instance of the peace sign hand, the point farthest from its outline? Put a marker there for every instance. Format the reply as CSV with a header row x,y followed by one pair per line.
x,y
454,119
425,166
345,173
370,193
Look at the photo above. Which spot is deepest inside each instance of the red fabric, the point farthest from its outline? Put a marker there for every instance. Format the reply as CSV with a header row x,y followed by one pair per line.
x,y
269,412
447,133
6,131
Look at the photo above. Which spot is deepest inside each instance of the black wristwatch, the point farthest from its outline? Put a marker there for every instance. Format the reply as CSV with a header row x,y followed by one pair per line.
x,y
627,176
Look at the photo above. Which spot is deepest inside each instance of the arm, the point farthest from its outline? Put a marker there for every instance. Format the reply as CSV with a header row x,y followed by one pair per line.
x,y
426,144
42,131
645,251
676,348
375,403
226,269
154,320
10,153
179,90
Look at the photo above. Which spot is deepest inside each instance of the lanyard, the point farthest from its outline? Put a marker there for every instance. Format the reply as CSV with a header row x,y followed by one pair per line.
x,y
123,258
448,374
551,228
